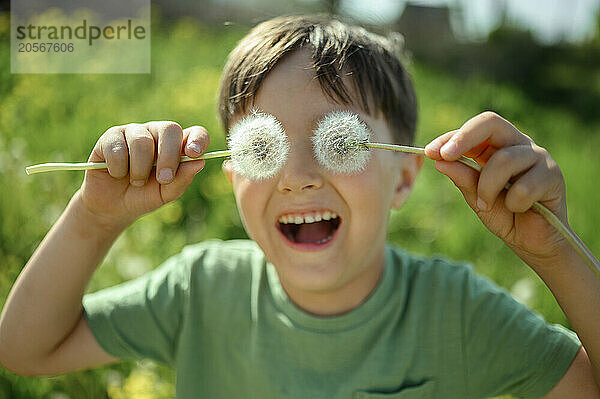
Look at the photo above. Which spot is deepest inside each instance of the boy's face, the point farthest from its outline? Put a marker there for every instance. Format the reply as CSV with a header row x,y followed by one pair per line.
x,y
337,275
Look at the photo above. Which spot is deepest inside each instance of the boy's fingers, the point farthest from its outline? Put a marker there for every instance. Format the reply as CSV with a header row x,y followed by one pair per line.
x,y
168,136
463,177
524,192
112,149
432,150
141,153
506,163
480,153
183,178
527,190
195,141
488,126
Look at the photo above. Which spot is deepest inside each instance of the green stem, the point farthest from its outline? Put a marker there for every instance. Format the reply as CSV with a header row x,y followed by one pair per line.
x,y
53,166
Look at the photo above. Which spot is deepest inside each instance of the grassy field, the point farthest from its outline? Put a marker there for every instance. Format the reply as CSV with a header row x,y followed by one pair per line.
x,y
59,117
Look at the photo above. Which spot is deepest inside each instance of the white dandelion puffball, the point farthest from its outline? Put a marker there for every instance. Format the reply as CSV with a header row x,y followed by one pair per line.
x,y
259,146
338,143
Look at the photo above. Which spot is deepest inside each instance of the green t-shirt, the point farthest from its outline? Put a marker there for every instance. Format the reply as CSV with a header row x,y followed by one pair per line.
x,y
218,314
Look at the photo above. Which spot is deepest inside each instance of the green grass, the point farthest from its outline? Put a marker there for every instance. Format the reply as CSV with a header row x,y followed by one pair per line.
x,y
59,117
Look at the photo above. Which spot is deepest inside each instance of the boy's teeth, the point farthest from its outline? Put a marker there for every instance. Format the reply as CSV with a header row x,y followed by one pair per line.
x,y
308,218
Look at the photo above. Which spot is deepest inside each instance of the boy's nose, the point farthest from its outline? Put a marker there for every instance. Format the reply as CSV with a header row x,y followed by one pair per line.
x,y
300,172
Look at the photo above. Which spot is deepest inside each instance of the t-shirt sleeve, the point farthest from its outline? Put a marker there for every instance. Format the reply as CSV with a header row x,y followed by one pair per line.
x,y
509,349
141,318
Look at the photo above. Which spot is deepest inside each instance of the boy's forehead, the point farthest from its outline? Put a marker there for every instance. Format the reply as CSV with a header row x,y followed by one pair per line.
x,y
293,87
294,74
297,61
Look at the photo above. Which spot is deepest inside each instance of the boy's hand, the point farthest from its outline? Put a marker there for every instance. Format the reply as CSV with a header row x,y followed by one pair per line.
x,y
507,155
132,186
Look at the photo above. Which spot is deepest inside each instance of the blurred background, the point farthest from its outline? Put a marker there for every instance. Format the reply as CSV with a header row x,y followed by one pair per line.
x,y
537,63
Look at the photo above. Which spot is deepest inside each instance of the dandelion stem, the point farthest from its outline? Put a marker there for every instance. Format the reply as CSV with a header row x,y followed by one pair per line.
x,y
51,167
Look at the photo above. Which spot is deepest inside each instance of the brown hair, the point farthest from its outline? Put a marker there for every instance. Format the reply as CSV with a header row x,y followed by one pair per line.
x,y
371,61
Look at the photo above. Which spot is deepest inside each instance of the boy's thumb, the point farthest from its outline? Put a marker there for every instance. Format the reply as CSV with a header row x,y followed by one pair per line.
x,y
183,178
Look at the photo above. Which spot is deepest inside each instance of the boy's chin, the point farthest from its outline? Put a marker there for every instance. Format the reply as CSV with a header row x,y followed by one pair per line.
x,y
314,278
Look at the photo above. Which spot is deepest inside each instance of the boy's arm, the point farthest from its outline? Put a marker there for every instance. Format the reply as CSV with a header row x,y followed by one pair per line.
x,y
578,381
42,329
577,291
506,155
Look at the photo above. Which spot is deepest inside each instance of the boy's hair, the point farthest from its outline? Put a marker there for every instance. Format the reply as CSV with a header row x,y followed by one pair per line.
x,y
372,62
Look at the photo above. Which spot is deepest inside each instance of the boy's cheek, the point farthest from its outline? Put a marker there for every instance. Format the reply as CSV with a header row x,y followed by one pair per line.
x,y
251,201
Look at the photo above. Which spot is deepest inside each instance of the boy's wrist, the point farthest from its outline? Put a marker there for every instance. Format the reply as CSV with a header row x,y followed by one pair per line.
x,y
563,259
88,223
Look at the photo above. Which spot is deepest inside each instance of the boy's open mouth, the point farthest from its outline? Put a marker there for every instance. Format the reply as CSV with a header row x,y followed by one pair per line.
x,y
310,228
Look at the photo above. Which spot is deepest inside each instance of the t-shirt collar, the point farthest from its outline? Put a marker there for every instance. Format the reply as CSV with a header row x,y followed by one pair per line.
x,y
357,316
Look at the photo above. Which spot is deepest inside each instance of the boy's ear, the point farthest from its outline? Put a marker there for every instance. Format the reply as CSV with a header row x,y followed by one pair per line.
x,y
227,168
410,169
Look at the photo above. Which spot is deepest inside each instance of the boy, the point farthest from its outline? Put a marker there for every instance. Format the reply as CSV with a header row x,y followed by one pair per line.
x,y
327,311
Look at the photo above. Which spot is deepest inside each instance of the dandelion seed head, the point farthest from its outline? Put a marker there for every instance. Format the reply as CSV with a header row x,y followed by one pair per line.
x,y
338,143
259,146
